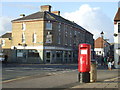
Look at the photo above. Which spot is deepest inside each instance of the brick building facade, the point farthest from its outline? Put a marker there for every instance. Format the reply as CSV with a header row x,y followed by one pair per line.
x,y
5,43
46,37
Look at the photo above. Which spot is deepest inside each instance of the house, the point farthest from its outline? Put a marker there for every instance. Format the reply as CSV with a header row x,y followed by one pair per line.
x,y
5,43
47,37
102,47
117,39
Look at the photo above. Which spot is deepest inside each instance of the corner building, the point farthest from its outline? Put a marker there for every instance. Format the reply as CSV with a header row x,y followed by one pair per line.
x,y
46,37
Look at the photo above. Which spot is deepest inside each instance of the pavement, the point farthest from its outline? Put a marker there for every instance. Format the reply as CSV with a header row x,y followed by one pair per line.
x,y
112,83
108,84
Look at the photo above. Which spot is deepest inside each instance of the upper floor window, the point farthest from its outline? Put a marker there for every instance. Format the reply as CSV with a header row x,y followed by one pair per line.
x,y
75,32
49,37
23,26
66,41
70,33
70,42
66,33
118,27
3,42
59,40
59,25
34,38
23,37
49,25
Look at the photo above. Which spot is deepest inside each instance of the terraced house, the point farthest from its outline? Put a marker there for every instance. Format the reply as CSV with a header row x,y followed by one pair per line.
x,y
5,45
46,37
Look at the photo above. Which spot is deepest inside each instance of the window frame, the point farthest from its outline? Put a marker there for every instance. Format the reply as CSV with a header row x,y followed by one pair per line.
x,y
49,38
118,27
23,37
48,25
2,42
34,37
23,26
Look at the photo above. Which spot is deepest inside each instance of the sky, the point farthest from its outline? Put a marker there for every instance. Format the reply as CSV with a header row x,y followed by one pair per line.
x,y
93,16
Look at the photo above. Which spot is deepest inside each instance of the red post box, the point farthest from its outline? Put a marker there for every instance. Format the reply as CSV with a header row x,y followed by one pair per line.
x,y
84,57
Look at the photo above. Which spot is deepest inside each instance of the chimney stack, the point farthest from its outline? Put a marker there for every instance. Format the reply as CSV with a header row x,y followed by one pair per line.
x,y
56,12
22,15
46,8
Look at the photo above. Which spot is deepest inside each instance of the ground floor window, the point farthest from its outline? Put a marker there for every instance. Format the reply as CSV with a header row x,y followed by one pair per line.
x,y
33,53
58,54
19,53
69,53
119,60
65,54
48,57
48,54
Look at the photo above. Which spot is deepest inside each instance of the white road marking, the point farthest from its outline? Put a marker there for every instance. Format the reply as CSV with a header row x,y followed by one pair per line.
x,y
112,79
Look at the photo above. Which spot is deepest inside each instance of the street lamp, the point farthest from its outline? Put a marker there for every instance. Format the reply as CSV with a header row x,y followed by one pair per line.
x,y
15,48
102,33
102,41
102,45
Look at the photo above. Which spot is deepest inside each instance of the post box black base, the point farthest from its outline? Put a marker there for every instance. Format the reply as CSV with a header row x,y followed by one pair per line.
x,y
84,77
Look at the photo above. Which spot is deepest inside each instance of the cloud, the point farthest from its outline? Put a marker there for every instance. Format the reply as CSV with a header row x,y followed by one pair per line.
x,y
92,19
5,25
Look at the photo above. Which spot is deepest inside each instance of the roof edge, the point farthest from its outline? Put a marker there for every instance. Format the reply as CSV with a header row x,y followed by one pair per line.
x,y
27,20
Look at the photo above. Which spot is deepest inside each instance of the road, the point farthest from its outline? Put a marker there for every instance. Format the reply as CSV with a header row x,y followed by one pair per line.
x,y
15,71
47,76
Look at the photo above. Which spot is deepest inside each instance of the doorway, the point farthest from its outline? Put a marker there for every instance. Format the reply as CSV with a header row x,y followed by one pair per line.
x,y
48,57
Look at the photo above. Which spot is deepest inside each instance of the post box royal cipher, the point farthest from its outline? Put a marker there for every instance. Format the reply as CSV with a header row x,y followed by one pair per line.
x,y
84,57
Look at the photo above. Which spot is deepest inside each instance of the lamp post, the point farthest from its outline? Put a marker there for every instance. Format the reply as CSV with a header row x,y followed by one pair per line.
x,y
25,53
102,45
15,48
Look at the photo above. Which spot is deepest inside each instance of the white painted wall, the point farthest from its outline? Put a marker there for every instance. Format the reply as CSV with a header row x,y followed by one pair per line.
x,y
116,43
103,51
98,50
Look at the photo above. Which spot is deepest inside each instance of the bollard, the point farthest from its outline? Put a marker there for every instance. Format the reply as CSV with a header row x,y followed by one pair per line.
x,y
93,72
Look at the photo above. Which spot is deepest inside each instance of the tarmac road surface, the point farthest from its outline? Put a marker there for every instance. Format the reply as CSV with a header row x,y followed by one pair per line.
x,y
48,77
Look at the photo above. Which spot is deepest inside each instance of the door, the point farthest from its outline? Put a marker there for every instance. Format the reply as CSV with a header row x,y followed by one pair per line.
x,y
48,57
